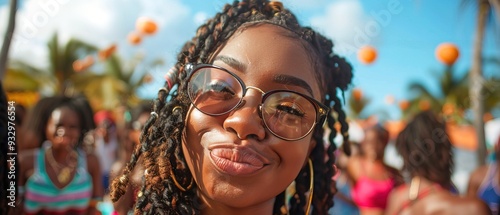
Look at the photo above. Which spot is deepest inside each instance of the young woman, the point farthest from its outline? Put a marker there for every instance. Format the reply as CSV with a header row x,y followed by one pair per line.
x,y
245,120
58,177
373,180
427,155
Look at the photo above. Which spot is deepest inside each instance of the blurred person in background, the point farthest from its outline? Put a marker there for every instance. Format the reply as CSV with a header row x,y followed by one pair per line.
x,y
139,116
343,198
372,178
58,177
484,182
428,158
106,143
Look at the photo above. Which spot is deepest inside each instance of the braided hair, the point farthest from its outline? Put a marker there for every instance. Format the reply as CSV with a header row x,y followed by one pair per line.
x,y
161,146
426,149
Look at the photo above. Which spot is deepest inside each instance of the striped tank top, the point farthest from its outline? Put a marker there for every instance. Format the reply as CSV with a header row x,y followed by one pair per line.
x,y
43,197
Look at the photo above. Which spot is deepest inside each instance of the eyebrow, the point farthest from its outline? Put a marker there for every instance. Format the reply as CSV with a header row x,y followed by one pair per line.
x,y
279,78
238,65
291,80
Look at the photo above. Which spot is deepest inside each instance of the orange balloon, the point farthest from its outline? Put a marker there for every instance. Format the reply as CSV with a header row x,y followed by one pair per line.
x,y
367,54
448,109
78,66
106,53
447,53
357,94
134,38
404,104
424,105
146,25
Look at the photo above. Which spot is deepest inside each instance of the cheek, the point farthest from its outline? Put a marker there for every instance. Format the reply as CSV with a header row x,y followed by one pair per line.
x,y
197,124
75,132
294,156
50,132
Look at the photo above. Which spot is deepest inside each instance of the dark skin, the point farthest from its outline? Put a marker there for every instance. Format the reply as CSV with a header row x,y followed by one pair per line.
x,y
370,163
478,176
63,130
225,193
440,201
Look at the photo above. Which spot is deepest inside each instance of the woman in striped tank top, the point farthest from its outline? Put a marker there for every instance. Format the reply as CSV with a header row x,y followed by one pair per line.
x,y
59,177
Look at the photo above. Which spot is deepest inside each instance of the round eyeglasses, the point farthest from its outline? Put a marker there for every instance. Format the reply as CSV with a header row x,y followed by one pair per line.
x,y
287,114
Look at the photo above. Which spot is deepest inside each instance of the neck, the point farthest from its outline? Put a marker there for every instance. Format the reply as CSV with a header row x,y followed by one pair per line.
x,y
61,152
219,208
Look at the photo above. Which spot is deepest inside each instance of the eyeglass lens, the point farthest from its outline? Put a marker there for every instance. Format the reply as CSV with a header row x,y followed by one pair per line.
x,y
286,114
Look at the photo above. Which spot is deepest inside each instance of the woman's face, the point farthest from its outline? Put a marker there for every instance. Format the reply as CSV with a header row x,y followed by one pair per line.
x,y
63,127
372,144
234,159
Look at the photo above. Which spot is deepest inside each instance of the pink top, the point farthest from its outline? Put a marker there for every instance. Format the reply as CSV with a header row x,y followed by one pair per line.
x,y
369,193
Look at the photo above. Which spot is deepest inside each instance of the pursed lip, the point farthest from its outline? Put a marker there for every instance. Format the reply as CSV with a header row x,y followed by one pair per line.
x,y
236,160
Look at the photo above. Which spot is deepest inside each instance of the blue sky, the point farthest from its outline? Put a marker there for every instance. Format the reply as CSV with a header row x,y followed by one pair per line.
x,y
405,42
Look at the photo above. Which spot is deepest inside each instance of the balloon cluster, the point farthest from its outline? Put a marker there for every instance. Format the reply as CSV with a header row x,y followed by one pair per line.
x,y
144,26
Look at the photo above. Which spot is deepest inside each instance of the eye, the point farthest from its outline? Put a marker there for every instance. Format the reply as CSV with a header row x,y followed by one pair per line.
x,y
219,90
290,108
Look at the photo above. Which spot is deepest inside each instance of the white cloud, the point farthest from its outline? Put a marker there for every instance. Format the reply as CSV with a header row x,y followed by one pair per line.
x,y
99,23
343,21
200,18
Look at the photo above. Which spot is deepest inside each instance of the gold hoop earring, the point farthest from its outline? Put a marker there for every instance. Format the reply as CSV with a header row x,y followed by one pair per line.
x,y
311,186
284,208
178,185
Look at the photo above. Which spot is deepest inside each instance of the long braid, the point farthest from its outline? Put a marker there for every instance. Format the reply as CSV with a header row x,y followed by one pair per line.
x,y
160,145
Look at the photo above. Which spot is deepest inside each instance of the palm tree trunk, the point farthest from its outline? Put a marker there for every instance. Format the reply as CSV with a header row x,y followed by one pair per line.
x,y
496,6
4,52
477,80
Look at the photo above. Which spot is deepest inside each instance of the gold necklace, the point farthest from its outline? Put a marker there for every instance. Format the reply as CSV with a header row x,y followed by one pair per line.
x,y
64,171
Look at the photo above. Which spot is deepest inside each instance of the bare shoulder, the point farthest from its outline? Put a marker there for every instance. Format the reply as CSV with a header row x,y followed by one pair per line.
x,y
396,199
92,160
353,166
479,173
471,205
27,159
26,164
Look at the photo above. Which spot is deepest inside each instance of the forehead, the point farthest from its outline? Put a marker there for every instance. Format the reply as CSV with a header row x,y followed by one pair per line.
x,y
266,49
64,114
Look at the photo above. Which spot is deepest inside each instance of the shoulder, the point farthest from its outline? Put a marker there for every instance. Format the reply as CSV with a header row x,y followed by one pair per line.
x,y
26,160
473,205
478,175
92,159
480,172
396,199
353,166
27,157
354,162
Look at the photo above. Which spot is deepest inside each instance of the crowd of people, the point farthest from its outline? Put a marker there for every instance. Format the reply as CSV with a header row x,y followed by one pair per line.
x,y
245,124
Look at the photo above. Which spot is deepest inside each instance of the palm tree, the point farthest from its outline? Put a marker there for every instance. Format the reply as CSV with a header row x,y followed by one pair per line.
x,y
119,83
452,98
477,85
357,103
4,52
61,61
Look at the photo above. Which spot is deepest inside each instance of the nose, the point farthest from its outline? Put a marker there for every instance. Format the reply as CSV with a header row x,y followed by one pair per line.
x,y
245,120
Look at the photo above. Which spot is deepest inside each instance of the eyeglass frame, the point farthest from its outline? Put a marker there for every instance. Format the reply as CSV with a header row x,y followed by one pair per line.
x,y
321,109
